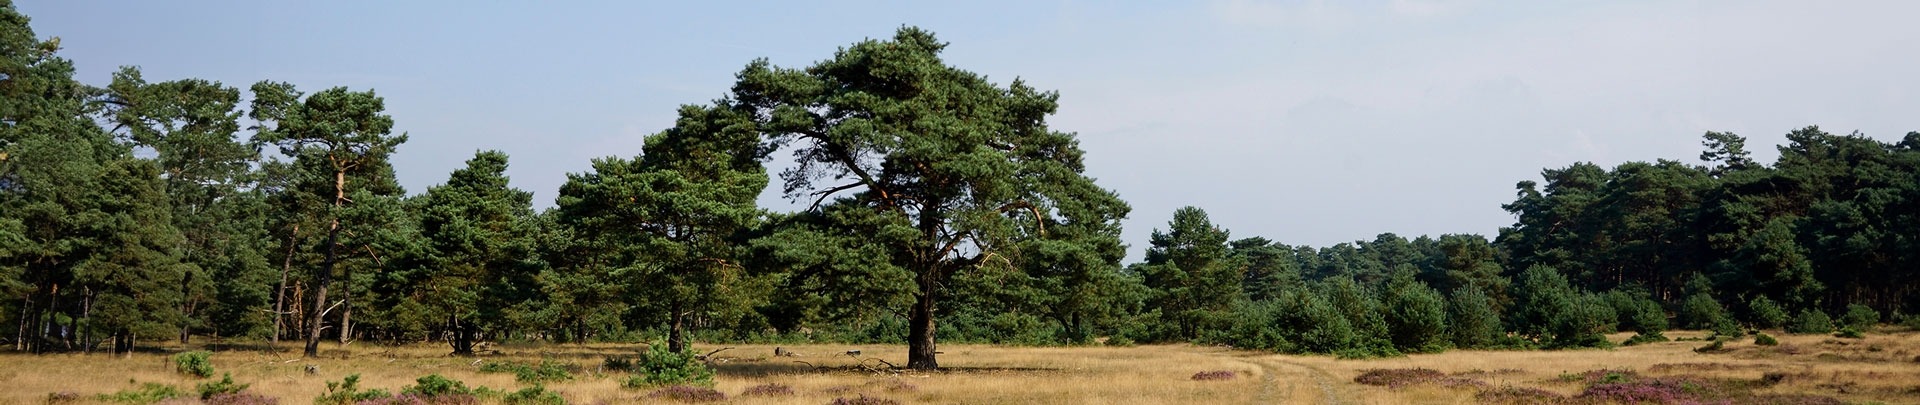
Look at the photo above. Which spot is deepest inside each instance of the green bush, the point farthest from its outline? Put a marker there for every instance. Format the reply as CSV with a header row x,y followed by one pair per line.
x,y
659,366
1474,323
194,363
224,386
1765,340
1765,313
1252,327
1580,324
1716,346
1645,337
535,395
1701,311
1416,316
347,392
1810,321
1860,317
147,393
1850,333
435,385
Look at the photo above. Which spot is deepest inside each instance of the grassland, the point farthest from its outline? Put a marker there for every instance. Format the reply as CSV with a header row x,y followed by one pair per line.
x,y
1884,367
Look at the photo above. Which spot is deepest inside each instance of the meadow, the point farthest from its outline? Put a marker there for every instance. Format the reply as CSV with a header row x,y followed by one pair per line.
x,y
1802,369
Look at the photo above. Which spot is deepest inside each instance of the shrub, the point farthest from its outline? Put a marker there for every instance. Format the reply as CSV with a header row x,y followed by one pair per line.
x,y
1859,317
1644,337
687,393
659,366
1581,323
224,386
347,392
768,390
434,385
241,398
863,399
1850,333
147,393
535,395
1765,313
194,363
1252,327
1763,339
1715,347
1416,316
1810,321
617,363
1474,323
62,397
1701,311
1215,375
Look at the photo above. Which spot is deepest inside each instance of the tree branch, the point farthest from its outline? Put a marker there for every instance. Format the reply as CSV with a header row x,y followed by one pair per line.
x,y
824,194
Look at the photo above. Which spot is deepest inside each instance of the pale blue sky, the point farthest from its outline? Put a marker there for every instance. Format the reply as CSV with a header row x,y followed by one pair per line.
x,y
1307,122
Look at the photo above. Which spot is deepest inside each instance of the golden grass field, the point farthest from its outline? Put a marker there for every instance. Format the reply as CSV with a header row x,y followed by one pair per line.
x,y
1884,367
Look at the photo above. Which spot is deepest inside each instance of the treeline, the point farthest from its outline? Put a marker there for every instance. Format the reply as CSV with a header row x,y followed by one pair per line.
x,y
148,210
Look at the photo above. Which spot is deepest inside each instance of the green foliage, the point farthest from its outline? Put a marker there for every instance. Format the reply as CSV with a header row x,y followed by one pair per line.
x,y
147,393
435,385
1810,321
193,363
347,392
1850,333
1416,316
1763,339
224,386
535,395
1474,322
1645,337
1581,324
1701,311
1188,270
659,366
1859,317
1765,314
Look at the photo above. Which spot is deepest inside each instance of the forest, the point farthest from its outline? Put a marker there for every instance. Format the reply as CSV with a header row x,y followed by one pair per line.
x,y
941,207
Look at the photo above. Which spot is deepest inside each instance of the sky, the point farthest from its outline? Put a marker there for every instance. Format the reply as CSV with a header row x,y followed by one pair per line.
x,y
1305,122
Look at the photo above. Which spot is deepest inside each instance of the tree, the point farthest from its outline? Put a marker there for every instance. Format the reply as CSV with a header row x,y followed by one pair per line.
x,y
1187,268
190,125
961,169
1475,324
479,257
346,131
1416,315
677,213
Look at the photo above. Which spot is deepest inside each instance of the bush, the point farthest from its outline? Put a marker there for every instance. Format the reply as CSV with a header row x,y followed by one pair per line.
x,y
1765,313
224,386
1850,333
659,366
1474,324
194,363
1763,339
1643,337
1701,311
1810,321
242,398
768,390
1416,316
535,395
434,385
1715,347
1859,317
1581,324
685,393
347,392
147,393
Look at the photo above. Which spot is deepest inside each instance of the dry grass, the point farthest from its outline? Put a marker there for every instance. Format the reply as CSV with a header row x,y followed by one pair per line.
x,y
1883,367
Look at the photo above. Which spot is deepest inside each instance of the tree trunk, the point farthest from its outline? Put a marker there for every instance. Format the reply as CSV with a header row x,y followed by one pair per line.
x,y
462,337
920,350
280,296
346,306
676,339
320,281
86,311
